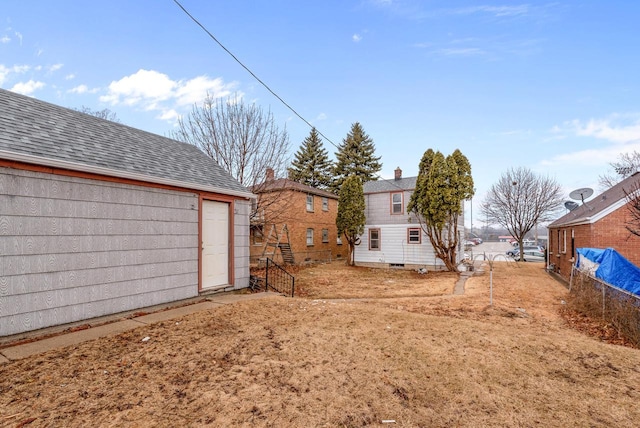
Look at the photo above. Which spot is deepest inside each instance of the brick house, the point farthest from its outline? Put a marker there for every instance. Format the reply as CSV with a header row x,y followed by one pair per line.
x,y
598,223
297,214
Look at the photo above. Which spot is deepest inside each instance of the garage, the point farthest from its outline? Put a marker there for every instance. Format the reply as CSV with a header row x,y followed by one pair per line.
x,y
98,218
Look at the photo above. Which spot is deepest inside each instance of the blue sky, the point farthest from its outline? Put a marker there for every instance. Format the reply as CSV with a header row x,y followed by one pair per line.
x,y
551,86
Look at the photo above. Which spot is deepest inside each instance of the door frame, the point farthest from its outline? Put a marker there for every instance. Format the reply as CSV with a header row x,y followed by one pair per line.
x,y
230,263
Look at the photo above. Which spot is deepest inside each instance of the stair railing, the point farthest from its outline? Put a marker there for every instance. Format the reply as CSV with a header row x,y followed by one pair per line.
x,y
278,279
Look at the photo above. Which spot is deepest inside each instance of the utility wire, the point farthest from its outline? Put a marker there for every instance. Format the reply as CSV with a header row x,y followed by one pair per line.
x,y
264,84
251,72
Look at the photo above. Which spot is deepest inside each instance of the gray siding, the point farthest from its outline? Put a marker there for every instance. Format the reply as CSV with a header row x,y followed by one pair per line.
x,y
74,249
378,208
241,243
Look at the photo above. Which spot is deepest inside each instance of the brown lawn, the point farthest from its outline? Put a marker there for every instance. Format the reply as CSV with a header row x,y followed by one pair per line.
x,y
362,348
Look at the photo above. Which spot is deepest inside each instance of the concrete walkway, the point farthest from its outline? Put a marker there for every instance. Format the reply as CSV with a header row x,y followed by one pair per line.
x,y
58,340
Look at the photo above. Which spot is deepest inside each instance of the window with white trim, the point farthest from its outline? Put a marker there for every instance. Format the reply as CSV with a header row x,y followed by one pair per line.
x,y
325,235
310,203
564,241
325,204
339,240
309,237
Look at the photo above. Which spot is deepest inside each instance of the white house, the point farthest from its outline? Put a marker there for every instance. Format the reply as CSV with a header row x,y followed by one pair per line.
x,y
392,236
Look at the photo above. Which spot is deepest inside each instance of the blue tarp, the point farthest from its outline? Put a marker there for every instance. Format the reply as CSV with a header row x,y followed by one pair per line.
x,y
613,268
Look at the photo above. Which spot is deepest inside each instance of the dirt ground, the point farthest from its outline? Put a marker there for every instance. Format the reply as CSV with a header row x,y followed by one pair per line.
x,y
360,347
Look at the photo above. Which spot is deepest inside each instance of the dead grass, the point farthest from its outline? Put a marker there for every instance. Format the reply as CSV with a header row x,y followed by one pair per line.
x,y
437,360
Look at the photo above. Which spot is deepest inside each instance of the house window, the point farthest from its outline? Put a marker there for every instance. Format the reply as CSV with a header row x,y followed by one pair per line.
x,y
325,204
325,235
374,239
564,241
309,237
414,236
558,241
258,235
339,240
573,244
396,203
310,203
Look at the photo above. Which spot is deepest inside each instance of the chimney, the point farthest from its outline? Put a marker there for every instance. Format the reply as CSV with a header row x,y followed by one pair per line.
x,y
270,175
398,172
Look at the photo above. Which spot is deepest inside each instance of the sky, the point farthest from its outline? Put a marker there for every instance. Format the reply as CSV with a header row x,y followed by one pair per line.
x,y
550,86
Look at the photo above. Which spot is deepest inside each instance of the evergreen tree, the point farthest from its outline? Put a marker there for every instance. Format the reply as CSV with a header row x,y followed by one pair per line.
x,y
356,156
442,185
311,164
351,218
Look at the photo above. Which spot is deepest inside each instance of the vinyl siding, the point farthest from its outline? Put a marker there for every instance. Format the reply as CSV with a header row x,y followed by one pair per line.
x,y
394,248
241,243
74,248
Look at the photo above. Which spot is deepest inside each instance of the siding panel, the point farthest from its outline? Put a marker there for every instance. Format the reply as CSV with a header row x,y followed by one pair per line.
x,y
73,248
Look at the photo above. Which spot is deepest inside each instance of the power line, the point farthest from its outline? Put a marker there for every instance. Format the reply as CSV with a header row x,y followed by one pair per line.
x,y
251,72
264,84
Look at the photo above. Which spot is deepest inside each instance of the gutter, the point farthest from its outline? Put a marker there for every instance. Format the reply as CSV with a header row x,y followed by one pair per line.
x,y
74,166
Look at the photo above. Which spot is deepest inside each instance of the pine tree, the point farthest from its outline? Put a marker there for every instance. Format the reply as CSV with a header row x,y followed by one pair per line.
x,y
311,164
356,156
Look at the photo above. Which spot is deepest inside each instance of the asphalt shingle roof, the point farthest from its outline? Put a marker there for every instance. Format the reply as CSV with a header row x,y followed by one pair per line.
x,y
284,183
591,208
32,127
381,186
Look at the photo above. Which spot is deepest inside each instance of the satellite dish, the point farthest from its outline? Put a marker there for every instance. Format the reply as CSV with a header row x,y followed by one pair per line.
x,y
581,194
570,205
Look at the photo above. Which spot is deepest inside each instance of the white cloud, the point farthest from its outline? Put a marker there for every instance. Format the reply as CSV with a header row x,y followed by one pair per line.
x,y
5,39
460,51
55,67
194,90
16,69
608,129
621,131
27,88
70,76
19,36
151,90
498,11
82,89
321,116
356,38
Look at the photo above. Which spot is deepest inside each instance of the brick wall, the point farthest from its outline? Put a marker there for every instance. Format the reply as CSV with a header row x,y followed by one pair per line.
x,y
290,207
609,231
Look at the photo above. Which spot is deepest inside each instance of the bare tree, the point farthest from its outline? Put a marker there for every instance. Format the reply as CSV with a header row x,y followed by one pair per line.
x,y
102,114
242,138
520,200
627,165
632,196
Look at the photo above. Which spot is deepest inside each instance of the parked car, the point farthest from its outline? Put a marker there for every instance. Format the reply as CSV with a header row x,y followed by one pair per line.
x,y
477,241
515,252
533,256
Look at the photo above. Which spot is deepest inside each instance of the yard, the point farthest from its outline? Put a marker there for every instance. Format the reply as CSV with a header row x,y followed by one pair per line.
x,y
360,347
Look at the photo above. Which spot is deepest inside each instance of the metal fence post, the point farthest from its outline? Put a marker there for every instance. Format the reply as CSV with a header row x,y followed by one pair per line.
x,y
266,277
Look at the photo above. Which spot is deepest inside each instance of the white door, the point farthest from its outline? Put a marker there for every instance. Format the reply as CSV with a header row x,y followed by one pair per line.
x,y
215,244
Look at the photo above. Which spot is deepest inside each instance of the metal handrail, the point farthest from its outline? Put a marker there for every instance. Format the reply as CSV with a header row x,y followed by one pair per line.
x,y
278,279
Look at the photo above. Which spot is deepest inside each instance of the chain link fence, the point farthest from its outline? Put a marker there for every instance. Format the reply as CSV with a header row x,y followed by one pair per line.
x,y
596,298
